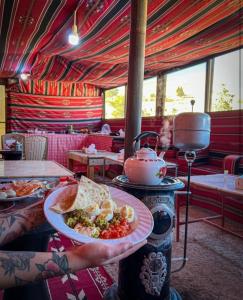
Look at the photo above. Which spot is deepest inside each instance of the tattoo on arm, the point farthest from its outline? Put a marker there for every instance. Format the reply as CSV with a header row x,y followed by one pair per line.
x,y
14,225
25,267
14,262
57,265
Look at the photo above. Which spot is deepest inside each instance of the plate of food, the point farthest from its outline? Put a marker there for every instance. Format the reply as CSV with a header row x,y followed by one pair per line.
x,y
91,212
19,190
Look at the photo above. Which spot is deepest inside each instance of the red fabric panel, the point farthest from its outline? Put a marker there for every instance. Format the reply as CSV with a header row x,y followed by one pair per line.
x,y
211,199
55,88
102,142
52,113
18,125
206,170
234,208
206,198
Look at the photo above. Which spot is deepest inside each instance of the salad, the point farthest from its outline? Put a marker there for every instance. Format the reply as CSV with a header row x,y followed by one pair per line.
x,y
102,222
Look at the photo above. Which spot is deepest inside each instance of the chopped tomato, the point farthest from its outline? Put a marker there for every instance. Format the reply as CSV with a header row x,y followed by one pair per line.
x,y
116,230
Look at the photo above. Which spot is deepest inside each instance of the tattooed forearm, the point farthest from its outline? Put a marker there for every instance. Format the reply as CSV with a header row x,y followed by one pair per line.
x,y
16,224
17,268
52,267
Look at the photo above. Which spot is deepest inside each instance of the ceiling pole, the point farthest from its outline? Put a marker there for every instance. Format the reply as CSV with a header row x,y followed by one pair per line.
x,y
135,73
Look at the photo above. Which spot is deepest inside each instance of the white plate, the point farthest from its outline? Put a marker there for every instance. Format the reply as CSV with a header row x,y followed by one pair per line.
x,y
142,227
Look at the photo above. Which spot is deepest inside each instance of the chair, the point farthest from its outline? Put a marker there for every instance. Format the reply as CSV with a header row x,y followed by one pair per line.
x,y
16,137
12,136
36,147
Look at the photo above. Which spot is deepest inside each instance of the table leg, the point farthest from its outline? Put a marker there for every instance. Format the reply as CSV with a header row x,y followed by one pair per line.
x,y
222,209
70,164
177,207
90,172
103,171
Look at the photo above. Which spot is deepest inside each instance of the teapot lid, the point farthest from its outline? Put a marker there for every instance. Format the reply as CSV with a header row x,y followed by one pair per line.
x,y
146,153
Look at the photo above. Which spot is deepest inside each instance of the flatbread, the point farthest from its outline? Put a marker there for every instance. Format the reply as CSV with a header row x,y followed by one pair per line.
x,y
88,192
65,202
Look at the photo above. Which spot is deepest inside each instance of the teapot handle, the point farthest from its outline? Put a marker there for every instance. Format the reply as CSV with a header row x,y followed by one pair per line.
x,y
143,135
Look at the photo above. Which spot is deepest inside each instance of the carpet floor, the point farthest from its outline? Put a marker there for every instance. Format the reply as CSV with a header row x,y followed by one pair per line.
x,y
214,270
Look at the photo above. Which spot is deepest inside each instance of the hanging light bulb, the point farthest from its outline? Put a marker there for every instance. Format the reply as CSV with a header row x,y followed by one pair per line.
x,y
24,76
73,37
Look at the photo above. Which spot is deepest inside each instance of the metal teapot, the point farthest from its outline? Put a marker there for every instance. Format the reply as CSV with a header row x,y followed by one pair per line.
x,y
145,167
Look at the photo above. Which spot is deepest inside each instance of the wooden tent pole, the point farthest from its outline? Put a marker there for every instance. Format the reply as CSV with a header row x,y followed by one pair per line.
x,y
135,73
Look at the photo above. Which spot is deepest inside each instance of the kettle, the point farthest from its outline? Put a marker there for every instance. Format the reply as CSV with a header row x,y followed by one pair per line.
x,y
145,167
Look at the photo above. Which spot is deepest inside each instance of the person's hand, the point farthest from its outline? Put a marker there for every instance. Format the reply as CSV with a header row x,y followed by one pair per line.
x,y
95,254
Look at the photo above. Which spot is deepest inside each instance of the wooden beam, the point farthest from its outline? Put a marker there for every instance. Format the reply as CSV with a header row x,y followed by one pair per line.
x,y
209,85
135,73
160,94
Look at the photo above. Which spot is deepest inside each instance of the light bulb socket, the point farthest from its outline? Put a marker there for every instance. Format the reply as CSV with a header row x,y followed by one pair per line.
x,y
75,29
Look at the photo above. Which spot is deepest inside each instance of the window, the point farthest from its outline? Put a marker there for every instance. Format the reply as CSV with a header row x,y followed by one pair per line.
x,y
115,103
184,86
115,100
149,97
226,82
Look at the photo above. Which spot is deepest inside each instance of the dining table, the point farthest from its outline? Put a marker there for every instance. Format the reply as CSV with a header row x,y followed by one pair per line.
x,y
91,160
48,171
10,169
228,194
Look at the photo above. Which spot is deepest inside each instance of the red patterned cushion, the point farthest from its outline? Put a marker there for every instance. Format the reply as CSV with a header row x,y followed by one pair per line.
x,y
231,163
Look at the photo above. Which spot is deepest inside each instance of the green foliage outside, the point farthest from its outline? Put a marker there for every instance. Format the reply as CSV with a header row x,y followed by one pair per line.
x,y
224,101
180,92
148,105
115,104
179,104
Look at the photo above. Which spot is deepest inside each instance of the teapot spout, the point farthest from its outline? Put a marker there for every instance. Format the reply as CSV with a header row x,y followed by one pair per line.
x,y
161,155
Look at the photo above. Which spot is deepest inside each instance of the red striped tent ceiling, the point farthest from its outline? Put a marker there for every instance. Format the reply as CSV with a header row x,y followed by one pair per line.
x,y
34,37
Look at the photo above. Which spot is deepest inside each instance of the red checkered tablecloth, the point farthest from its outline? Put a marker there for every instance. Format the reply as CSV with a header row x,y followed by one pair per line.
x,y
60,144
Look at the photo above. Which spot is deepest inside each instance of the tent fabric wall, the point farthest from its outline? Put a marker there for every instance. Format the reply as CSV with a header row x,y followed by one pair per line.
x,y
34,37
52,106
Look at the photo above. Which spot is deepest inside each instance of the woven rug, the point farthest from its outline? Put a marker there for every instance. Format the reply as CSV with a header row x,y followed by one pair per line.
x,y
88,284
214,270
